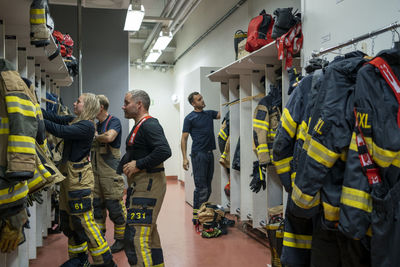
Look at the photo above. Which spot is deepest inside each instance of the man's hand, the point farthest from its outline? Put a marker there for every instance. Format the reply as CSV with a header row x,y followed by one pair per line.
x,y
130,168
186,164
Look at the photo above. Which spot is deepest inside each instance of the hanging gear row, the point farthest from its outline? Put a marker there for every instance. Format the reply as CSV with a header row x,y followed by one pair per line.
x,y
334,157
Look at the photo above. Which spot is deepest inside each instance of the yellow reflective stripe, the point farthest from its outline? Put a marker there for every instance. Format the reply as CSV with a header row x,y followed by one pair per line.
x,y
293,177
356,199
261,127
260,173
303,200
261,122
279,234
16,104
37,11
37,178
38,109
282,165
223,155
159,265
93,228
21,144
4,127
302,131
44,171
121,201
288,123
321,154
38,21
223,135
297,241
78,249
144,245
20,191
331,212
262,148
99,250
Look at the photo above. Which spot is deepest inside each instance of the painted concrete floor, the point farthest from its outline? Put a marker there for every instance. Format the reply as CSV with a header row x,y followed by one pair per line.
x,y
182,246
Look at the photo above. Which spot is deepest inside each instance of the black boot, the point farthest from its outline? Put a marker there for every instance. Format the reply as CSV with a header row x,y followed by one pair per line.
x,y
117,246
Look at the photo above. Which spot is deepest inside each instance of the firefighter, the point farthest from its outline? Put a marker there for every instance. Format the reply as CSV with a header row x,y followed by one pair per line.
x,y
108,186
76,191
146,150
199,124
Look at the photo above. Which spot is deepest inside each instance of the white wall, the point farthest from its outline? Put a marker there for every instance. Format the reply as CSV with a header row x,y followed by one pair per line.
x,y
345,20
159,86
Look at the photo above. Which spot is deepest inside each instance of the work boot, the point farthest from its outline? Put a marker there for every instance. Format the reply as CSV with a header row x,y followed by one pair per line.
x,y
195,221
117,246
109,264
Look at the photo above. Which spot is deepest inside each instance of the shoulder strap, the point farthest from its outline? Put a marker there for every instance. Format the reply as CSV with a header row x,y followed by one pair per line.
x,y
390,78
367,163
133,135
108,120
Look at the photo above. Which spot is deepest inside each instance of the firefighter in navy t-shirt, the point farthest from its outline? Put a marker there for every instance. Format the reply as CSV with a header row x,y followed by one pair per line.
x,y
199,124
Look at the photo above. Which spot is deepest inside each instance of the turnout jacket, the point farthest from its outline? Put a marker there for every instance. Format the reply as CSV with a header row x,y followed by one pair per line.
x,y
377,109
319,180
265,123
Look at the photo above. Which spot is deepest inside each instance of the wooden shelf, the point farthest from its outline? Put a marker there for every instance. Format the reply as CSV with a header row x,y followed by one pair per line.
x,y
253,61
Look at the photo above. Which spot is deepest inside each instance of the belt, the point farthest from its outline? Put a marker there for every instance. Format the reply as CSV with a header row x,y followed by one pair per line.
x,y
155,170
80,165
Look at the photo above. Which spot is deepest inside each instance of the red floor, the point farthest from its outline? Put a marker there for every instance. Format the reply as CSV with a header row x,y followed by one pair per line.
x,y
182,246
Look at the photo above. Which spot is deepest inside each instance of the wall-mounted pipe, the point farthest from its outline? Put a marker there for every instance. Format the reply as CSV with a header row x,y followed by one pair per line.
x,y
215,25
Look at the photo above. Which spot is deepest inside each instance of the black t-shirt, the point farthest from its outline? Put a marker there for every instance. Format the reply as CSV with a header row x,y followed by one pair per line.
x,y
200,125
150,147
111,122
78,137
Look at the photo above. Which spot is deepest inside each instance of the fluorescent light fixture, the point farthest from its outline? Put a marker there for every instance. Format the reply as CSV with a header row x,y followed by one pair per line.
x,y
153,56
163,40
134,16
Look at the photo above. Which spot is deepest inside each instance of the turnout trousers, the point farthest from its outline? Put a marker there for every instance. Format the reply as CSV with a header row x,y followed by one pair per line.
x,y
143,202
76,214
108,191
203,171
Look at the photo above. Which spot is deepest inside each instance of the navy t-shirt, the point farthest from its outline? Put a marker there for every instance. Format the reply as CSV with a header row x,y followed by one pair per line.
x,y
200,126
108,124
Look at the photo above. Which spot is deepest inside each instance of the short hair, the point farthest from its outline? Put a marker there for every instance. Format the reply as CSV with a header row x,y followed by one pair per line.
x,y
191,96
140,95
103,101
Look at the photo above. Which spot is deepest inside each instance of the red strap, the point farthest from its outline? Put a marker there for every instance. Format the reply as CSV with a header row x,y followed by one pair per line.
x,y
366,160
390,78
105,127
290,44
133,135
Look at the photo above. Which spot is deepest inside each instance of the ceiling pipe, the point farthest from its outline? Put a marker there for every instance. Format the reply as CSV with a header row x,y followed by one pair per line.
x,y
183,13
179,25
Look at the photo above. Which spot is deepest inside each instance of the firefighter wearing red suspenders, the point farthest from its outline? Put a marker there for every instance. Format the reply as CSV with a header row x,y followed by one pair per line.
x,y
146,150
108,186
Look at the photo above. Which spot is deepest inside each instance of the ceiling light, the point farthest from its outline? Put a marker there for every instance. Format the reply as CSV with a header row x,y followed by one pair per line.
x,y
134,16
163,40
153,56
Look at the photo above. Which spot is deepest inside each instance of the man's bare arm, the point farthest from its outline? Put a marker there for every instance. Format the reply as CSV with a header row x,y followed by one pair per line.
x,y
184,148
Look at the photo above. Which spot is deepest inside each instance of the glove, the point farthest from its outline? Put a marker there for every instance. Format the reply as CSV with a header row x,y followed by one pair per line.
x,y
258,180
12,231
36,196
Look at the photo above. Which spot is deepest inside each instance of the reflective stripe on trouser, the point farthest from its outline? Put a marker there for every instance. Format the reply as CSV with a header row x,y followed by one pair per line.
x,y
385,226
77,213
142,242
330,248
108,191
297,240
203,171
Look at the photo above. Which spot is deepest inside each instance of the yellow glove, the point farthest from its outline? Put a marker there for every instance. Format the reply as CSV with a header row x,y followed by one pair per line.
x,y
12,231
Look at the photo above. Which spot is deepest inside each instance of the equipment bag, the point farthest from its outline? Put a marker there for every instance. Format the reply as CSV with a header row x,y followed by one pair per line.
x,y
210,218
259,32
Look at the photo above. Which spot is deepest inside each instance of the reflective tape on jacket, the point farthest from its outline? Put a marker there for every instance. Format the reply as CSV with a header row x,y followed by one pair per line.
x,y
21,144
283,165
12,194
288,123
261,124
4,126
304,201
321,154
15,104
356,199
297,241
331,213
